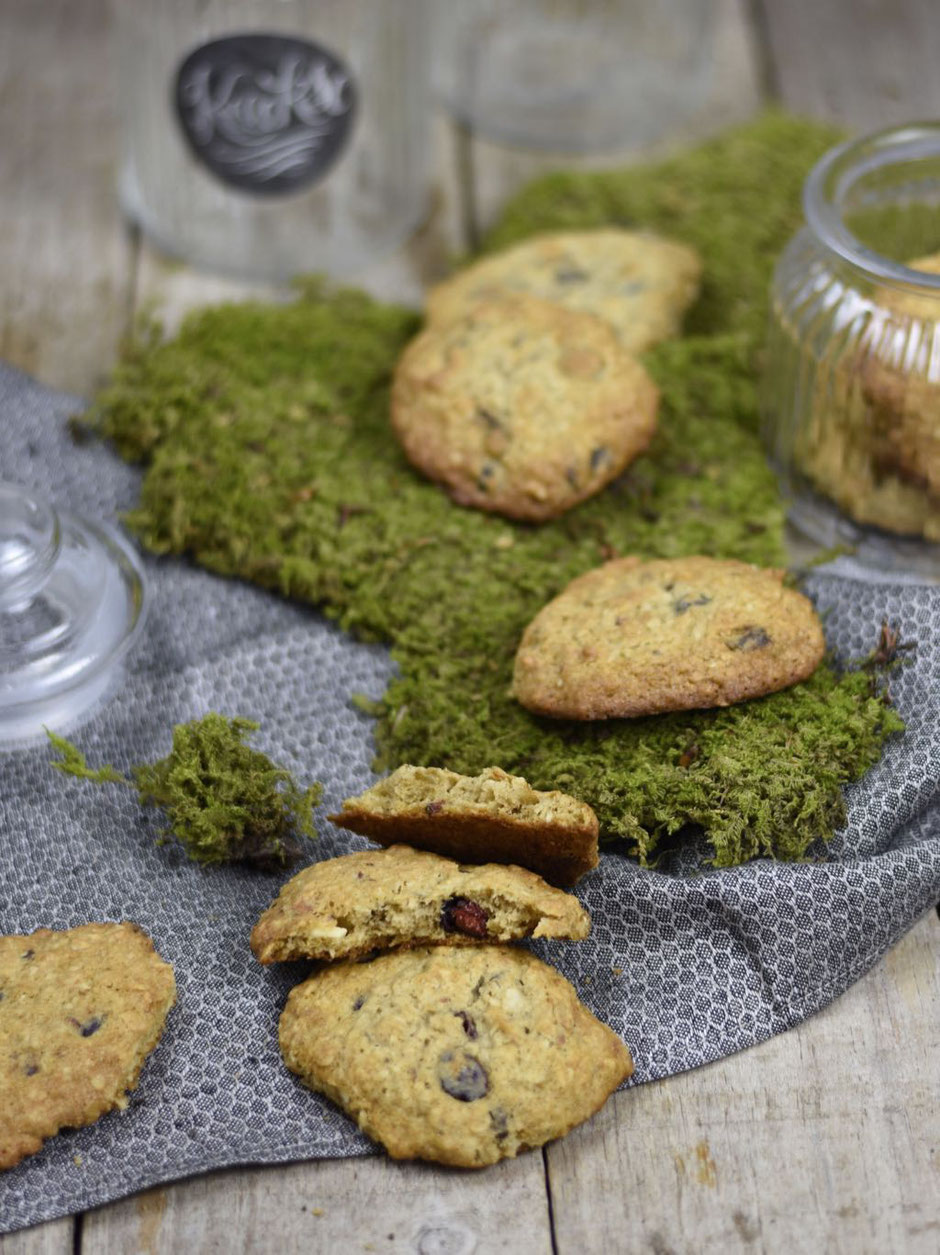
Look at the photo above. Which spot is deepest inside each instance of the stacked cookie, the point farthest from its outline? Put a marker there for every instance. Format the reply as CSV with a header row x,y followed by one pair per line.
x,y
450,1045
523,395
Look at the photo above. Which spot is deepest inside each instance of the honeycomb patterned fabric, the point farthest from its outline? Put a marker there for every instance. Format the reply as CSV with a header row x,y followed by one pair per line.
x,y
685,968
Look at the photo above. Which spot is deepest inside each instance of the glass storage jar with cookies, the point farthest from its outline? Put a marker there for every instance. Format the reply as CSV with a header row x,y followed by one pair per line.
x,y
851,395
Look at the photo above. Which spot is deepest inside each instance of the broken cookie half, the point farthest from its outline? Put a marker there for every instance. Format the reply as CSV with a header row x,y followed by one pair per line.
x,y
347,907
489,818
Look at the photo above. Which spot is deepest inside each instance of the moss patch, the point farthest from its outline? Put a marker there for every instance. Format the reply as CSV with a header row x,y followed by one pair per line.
x,y
224,801
269,456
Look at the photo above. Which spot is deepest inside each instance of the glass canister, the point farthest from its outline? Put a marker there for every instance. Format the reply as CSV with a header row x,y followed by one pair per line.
x,y
573,75
265,138
851,391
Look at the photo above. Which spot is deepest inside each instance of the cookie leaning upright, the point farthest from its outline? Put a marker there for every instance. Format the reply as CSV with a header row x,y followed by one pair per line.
x,y
521,407
639,283
639,638
80,1011
488,818
461,1056
377,899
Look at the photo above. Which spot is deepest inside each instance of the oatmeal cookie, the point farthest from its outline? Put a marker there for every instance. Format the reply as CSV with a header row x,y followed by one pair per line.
x,y
460,1056
80,1011
489,818
522,408
637,282
379,899
904,399
639,638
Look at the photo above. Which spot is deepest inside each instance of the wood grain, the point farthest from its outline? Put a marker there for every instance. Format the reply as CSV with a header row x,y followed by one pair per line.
x,y
822,1139
65,256
865,64
335,1206
54,1238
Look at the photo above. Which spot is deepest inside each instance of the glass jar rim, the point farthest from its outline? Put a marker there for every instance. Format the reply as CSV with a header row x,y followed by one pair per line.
x,y
836,172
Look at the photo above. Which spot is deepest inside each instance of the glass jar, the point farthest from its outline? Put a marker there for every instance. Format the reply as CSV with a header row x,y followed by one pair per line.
x,y
266,138
851,391
573,75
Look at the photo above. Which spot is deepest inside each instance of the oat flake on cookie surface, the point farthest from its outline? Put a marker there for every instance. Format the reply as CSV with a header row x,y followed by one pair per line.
x,y
640,638
80,1010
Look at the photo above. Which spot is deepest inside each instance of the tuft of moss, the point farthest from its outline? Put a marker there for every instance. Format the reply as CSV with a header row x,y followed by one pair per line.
x,y
269,456
224,801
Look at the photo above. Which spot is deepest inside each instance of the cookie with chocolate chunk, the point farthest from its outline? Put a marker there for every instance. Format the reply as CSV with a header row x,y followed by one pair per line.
x,y
490,817
80,1011
521,407
460,1056
639,283
639,638
378,899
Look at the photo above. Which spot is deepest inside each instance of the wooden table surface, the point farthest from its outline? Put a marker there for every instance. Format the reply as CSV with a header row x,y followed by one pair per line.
x,y
825,1139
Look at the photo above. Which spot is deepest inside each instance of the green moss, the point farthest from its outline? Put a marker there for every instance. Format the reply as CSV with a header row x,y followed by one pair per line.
x,y
224,801
269,456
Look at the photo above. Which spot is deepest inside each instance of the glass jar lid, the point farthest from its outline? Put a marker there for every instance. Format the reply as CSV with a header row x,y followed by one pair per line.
x,y
72,600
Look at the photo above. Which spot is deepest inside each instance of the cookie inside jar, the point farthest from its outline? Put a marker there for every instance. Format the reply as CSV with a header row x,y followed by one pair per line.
x,y
851,395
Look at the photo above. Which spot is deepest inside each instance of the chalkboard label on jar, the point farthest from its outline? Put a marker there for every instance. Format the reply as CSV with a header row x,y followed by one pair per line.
x,y
268,114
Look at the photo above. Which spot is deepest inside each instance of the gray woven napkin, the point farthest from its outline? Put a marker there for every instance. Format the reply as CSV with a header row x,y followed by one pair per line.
x,y
686,969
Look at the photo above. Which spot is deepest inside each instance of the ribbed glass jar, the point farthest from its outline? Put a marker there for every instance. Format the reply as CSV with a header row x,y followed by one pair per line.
x,y
851,392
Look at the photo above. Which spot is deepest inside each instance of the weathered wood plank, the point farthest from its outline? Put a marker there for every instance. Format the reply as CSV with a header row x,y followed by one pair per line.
x,y
864,64
735,93
346,1205
822,1139
55,1238
65,258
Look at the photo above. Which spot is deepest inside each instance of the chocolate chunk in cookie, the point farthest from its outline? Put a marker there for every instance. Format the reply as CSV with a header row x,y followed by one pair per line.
x,y
489,818
521,407
462,1056
80,1011
379,899
639,638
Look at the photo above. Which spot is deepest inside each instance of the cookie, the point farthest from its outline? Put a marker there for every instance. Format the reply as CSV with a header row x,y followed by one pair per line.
x,y
639,283
845,458
521,407
460,1056
346,907
842,450
639,638
489,818
904,395
80,1011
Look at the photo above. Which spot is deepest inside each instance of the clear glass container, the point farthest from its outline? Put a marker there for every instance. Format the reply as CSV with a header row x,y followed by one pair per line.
x,y
267,138
72,602
851,390
573,75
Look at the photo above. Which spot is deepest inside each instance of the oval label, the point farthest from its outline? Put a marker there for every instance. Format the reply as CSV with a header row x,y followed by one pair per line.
x,y
265,113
